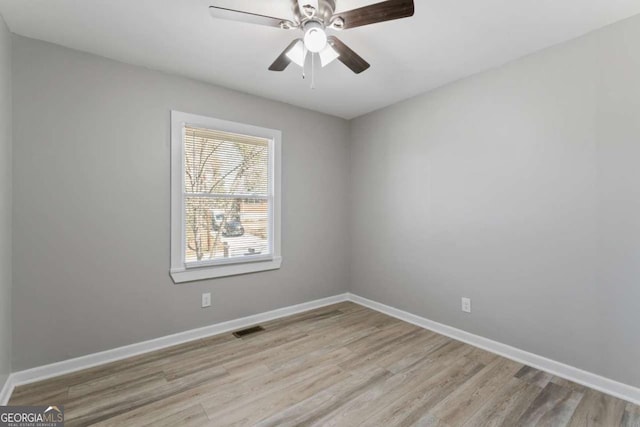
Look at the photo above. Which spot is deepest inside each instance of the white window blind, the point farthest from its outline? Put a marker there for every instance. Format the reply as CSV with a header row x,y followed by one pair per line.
x,y
227,196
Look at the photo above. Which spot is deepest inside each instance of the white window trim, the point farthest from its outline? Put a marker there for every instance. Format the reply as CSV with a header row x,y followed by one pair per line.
x,y
180,271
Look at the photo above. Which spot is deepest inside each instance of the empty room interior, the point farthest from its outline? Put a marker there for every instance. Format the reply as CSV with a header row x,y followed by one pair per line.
x,y
320,212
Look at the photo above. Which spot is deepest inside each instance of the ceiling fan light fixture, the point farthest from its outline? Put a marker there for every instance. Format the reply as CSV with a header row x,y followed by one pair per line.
x,y
297,53
328,55
315,38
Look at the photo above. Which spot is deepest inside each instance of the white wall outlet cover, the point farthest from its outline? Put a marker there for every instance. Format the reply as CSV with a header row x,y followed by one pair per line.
x,y
206,300
466,305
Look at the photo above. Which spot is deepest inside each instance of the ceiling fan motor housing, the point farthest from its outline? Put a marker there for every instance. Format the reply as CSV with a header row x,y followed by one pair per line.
x,y
323,13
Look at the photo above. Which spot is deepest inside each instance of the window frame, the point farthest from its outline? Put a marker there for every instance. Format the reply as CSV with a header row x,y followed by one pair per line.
x,y
182,271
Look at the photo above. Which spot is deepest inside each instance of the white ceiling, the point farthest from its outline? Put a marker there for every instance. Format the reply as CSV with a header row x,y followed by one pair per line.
x,y
445,41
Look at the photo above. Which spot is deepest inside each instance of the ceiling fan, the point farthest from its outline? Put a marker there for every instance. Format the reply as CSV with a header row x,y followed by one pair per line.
x,y
314,18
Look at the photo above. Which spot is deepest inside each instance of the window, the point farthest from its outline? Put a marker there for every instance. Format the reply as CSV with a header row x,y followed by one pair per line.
x,y
225,201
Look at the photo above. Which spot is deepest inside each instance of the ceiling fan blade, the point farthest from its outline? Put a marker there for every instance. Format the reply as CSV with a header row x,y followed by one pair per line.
x,y
379,12
284,60
252,18
347,56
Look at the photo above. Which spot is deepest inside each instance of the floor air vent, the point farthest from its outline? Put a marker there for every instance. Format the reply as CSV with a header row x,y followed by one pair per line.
x,y
248,331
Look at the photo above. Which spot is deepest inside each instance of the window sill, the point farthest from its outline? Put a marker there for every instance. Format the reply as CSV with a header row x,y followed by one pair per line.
x,y
181,275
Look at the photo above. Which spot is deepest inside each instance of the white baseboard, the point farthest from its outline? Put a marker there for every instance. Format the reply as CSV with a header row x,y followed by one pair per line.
x,y
7,389
76,364
591,380
597,382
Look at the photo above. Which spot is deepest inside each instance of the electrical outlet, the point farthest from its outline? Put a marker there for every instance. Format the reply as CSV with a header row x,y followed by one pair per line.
x,y
466,305
206,300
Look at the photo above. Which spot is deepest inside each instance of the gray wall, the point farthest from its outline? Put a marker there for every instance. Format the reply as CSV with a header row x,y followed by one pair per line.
x,y
91,205
519,188
5,202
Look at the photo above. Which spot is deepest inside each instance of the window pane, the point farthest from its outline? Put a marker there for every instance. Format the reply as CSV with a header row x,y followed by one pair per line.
x,y
222,228
225,163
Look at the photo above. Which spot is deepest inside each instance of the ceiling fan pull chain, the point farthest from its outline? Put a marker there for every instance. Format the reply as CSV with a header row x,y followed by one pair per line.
x,y
304,63
313,71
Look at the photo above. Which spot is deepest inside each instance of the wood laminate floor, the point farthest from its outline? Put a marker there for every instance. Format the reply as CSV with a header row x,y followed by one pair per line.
x,y
338,365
